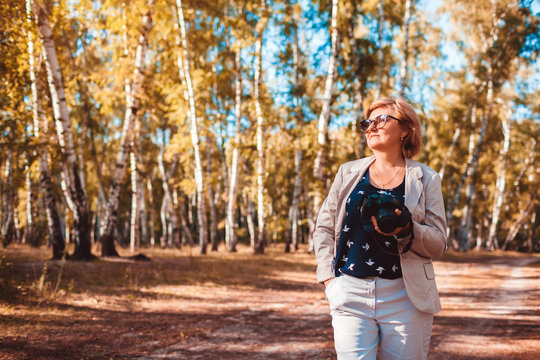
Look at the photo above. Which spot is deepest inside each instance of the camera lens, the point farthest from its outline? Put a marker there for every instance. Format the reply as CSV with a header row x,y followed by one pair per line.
x,y
387,220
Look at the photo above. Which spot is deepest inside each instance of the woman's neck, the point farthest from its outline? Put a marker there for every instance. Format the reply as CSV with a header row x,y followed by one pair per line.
x,y
388,159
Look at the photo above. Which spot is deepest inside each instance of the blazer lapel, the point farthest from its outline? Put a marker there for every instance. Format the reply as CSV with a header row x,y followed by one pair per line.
x,y
350,180
413,184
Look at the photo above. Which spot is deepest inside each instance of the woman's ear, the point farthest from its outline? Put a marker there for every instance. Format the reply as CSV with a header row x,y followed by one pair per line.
x,y
404,134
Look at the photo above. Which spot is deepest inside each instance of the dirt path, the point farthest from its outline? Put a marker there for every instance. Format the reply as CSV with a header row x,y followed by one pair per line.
x,y
237,306
491,310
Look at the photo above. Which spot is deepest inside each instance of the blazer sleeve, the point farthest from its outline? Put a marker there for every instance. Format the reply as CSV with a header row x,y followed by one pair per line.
x,y
324,236
430,236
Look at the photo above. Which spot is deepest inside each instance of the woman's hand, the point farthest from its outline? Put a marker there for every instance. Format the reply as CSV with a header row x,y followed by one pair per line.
x,y
326,282
395,232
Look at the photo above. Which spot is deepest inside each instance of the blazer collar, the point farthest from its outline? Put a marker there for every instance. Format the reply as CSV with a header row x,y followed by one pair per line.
x,y
413,180
413,184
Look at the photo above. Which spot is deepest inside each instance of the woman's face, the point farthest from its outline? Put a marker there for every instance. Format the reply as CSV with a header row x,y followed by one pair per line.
x,y
389,137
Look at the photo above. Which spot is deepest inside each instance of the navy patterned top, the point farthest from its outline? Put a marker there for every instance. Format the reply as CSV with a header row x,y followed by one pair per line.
x,y
363,252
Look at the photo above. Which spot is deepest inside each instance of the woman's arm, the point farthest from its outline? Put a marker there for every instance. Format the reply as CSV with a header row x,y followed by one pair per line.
x,y
324,235
430,236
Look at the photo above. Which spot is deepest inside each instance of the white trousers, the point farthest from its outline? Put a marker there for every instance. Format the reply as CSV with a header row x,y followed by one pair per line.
x,y
373,313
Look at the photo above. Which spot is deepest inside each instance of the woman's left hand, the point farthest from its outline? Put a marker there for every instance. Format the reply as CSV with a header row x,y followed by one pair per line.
x,y
395,232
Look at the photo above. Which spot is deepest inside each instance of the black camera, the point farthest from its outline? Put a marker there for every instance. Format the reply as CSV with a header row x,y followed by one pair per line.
x,y
383,207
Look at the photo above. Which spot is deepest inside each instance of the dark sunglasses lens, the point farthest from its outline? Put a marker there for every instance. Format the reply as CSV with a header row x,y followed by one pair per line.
x,y
364,125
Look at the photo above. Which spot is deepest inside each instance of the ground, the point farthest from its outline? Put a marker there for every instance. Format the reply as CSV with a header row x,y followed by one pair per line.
x,y
225,305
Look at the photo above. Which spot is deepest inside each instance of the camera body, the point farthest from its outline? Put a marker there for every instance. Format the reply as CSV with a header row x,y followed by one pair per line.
x,y
383,207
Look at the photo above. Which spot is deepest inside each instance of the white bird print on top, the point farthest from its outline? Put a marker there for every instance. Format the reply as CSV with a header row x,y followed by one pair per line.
x,y
349,243
387,243
361,192
344,259
370,262
348,200
365,247
351,267
382,192
394,268
380,269
346,228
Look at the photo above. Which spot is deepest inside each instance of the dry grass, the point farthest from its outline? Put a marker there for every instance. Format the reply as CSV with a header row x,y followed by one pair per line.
x,y
239,306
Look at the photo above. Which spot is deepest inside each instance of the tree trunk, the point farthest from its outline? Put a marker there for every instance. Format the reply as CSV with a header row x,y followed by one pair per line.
x,y
471,164
260,243
231,224
358,137
250,214
184,58
151,205
324,119
71,174
46,186
403,72
132,108
294,211
521,220
213,215
380,55
134,231
8,227
457,132
492,242
168,209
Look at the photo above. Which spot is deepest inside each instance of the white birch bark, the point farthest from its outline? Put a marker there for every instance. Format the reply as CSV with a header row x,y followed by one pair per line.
x,y
75,190
213,215
171,233
260,163
294,215
358,138
324,119
231,224
492,242
380,26
49,198
134,232
470,171
8,209
404,69
184,56
294,212
152,216
132,107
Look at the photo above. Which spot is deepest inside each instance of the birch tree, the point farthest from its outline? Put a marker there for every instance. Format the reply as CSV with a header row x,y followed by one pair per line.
x,y
404,68
40,121
184,68
132,108
261,211
75,192
380,58
231,224
324,119
492,242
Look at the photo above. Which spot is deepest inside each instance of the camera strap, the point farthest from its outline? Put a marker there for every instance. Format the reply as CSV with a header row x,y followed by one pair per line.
x,y
409,244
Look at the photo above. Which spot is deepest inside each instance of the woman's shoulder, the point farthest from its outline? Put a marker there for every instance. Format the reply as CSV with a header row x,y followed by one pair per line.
x,y
358,163
426,170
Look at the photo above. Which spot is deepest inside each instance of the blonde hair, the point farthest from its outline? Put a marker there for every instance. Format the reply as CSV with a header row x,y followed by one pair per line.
x,y
412,142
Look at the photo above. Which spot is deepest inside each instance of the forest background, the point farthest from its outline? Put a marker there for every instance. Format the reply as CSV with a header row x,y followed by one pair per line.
x,y
213,123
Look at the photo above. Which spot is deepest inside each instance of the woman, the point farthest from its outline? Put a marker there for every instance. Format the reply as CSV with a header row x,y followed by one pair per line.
x,y
377,268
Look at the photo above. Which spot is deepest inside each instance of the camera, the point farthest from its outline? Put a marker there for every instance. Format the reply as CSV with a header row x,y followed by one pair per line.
x,y
383,207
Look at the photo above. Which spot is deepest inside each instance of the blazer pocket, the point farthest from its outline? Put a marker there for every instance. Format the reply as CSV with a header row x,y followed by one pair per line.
x,y
430,272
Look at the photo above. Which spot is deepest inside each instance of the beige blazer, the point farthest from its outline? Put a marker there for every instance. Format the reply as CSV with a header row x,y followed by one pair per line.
x,y
423,198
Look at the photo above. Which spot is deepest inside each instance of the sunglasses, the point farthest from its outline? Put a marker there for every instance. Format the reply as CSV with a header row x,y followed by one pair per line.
x,y
378,122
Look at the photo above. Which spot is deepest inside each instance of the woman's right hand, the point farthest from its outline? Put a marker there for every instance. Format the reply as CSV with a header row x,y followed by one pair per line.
x,y
326,282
